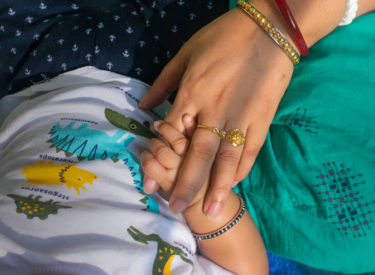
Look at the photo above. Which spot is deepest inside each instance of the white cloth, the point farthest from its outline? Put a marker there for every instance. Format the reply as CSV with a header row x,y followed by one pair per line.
x,y
69,178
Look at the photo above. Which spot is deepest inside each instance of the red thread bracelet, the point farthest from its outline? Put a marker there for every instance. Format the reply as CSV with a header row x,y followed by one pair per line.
x,y
292,24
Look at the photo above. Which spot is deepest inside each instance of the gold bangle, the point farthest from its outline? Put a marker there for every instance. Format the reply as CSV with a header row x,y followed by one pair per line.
x,y
271,30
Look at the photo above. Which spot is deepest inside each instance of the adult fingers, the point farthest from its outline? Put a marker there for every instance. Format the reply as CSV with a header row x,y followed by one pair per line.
x,y
255,139
165,83
189,124
195,169
223,174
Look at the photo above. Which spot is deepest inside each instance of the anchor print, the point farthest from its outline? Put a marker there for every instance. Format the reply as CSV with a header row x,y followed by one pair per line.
x,y
49,58
75,48
112,37
141,43
11,12
162,14
125,53
88,57
75,6
156,60
174,29
42,6
29,19
192,16
129,30
97,50
138,71
109,65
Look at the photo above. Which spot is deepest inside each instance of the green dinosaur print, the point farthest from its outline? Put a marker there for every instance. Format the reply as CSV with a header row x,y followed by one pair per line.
x,y
165,251
33,207
128,124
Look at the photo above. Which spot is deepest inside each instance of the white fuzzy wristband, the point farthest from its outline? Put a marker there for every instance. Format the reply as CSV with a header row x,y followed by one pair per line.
x,y
350,12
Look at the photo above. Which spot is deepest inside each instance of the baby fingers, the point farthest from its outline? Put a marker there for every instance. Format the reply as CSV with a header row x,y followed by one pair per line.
x,y
164,154
155,174
175,138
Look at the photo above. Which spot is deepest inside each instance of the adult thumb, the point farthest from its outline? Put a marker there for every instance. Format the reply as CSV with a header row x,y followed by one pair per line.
x,y
167,82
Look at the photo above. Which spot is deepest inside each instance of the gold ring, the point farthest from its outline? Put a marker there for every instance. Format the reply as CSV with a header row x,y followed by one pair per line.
x,y
235,137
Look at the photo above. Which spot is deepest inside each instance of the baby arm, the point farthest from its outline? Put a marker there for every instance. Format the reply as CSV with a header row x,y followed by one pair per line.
x,y
239,250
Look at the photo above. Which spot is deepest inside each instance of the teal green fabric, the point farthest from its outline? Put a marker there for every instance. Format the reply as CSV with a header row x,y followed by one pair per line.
x,y
311,191
232,4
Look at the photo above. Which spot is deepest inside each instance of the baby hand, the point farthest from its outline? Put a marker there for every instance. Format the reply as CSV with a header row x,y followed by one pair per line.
x,y
163,160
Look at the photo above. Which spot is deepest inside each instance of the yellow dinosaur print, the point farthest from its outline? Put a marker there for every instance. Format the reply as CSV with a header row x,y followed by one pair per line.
x,y
48,173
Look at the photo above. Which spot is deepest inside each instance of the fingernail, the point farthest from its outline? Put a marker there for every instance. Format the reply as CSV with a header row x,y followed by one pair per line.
x,y
214,210
157,124
235,183
178,206
148,185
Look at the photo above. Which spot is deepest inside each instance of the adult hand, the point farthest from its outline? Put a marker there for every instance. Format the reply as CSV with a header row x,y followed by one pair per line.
x,y
230,75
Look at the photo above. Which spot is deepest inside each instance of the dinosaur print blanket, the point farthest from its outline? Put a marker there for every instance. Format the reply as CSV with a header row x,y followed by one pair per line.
x,y
71,197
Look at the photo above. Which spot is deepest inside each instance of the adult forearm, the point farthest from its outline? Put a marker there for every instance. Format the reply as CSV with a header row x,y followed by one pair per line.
x,y
239,250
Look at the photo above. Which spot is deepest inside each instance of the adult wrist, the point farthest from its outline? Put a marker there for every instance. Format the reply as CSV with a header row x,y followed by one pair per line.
x,y
258,39
315,18
270,10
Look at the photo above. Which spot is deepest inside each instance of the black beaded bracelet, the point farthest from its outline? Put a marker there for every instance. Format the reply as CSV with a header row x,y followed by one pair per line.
x,y
225,228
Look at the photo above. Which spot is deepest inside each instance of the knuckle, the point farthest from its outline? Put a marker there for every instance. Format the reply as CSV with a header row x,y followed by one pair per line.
x,y
152,142
223,188
160,151
180,143
164,126
219,185
218,98
220,192
203,151
148,166
228,155
192,84
190,190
